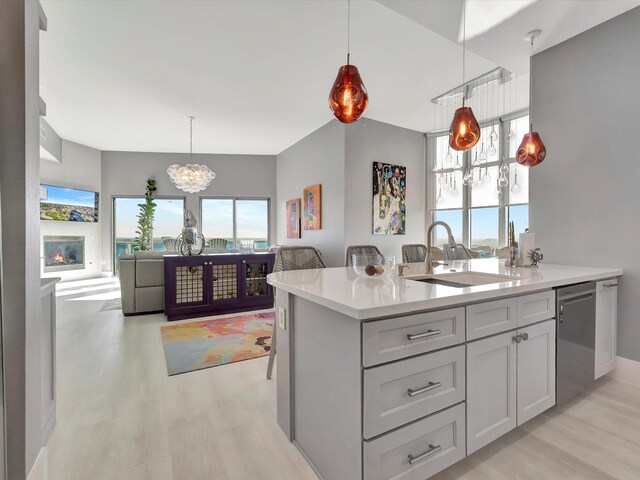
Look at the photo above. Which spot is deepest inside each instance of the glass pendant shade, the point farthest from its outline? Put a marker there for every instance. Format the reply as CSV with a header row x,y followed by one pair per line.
x,y
348,98
531,151
464,132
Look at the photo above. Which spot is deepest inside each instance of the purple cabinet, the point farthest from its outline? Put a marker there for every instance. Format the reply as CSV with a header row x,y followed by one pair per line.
x,y
215,284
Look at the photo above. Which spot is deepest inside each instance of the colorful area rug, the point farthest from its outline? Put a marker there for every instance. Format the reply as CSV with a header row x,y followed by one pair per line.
x,y
210,343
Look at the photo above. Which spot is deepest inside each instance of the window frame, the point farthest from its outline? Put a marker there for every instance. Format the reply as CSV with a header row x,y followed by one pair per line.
x,y
432,144
114,260
235,221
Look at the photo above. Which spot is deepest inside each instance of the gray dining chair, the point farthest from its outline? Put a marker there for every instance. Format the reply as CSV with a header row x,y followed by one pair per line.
x,y
414,253
292,258
362,250
459,253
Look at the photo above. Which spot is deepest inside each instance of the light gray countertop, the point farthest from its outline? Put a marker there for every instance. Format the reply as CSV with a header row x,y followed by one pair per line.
x,y
342,290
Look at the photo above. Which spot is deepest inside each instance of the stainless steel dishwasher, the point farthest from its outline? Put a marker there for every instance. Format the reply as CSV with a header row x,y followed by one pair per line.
x,y
576,339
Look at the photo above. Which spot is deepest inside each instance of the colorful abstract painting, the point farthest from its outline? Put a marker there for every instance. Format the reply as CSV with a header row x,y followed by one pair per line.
x,y
389,199
209,343
312,218
293,218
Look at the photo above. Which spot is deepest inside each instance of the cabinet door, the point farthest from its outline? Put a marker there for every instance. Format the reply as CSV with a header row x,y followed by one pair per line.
x,y
255,288
491,389
186,279
606,326
536,370
224,287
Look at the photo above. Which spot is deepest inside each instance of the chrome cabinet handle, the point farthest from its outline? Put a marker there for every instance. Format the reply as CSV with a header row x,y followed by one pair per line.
x,y
429,333
418,391
517,338
524,336
610,285
433,449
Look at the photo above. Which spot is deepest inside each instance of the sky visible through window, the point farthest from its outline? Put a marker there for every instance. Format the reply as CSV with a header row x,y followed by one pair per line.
x,y
68,196
167,222
252,219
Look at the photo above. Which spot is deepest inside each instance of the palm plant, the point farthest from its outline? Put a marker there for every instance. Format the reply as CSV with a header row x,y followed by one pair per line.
x,y
144,234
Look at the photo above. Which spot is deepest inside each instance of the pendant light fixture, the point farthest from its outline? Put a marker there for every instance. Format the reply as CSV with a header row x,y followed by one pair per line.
x,y
464,131
191,177
348,98
531,151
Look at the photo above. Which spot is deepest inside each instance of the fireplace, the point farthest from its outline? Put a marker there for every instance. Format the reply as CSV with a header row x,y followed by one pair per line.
x,y
63,253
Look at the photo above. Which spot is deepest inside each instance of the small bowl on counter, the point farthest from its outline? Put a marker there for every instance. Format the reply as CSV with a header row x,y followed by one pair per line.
x,y
373,266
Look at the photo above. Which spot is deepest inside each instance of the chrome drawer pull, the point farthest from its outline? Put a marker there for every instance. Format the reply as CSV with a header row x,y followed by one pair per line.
x,y
423,456
610,285
429,333
418,391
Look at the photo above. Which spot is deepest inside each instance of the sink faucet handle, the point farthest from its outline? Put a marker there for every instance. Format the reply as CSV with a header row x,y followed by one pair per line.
x,y
401,269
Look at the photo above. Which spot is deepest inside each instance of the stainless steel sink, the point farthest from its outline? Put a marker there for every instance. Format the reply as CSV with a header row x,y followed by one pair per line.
x,y
461,279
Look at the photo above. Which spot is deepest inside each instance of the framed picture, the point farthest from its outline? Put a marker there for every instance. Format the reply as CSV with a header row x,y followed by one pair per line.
x,y
389,199
312,198
293,218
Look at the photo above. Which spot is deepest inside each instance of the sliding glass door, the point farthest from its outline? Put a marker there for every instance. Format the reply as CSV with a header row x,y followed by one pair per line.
x,y
167,223
236,220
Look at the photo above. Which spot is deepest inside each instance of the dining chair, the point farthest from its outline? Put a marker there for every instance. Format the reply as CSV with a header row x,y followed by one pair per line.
x,y
362,250
414,253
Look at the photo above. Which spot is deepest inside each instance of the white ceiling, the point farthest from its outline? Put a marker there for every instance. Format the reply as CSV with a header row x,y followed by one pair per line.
x,y
256,74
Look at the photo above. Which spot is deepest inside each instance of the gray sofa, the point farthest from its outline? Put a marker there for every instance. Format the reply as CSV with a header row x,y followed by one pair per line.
x,y
142,282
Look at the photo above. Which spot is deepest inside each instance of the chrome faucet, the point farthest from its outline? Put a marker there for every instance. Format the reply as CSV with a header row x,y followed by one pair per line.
x,y
429,262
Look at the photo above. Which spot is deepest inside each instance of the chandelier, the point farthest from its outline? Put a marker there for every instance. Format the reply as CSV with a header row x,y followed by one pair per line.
x,y
191,177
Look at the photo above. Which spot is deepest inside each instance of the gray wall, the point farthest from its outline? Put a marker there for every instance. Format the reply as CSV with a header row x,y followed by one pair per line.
x,y
317,158
584,201
80,168
126,173
340,157
370,141
19,179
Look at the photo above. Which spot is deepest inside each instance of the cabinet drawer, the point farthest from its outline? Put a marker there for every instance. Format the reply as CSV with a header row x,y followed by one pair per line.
x,y
395,338
404,391
489,318
419,450
536,308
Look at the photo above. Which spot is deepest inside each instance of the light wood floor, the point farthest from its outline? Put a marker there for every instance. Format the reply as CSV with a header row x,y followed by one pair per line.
x,y
121,417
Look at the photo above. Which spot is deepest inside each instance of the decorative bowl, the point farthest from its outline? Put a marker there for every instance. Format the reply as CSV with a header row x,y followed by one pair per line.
x,y
373,266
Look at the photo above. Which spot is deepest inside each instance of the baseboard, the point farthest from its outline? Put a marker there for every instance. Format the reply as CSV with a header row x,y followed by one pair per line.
x,y
627,371
39,469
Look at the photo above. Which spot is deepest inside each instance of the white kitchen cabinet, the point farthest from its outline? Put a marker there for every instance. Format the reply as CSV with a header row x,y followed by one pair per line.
x,y
510,379
536,370
606,326
491,389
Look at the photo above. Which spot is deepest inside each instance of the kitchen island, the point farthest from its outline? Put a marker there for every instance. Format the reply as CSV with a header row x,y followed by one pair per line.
x,y
382,378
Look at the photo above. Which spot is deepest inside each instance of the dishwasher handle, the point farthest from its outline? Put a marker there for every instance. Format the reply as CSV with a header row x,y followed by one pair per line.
x,y
575,298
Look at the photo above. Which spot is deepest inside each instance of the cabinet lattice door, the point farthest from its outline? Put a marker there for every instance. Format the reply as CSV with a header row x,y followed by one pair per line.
x,y
189,284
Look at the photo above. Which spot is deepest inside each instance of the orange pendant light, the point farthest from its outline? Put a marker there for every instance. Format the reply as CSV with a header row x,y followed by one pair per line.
x,y
531,151
348,98
464,131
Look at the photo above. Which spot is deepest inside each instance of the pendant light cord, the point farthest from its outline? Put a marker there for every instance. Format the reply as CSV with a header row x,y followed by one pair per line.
x,y
190,139
348,30
531,83
464,46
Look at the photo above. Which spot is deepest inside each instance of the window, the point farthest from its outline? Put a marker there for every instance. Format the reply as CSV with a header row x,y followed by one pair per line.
x,y
236,220
453,218
465,192
167,223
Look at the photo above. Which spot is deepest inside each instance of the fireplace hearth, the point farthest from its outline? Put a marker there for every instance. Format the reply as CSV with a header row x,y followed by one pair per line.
x,y
63,253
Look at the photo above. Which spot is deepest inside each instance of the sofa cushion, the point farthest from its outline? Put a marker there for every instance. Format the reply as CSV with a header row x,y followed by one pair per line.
x,y
150,299
150,269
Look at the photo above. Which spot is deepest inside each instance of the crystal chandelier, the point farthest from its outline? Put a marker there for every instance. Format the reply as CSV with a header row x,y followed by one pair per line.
x,y
191,177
